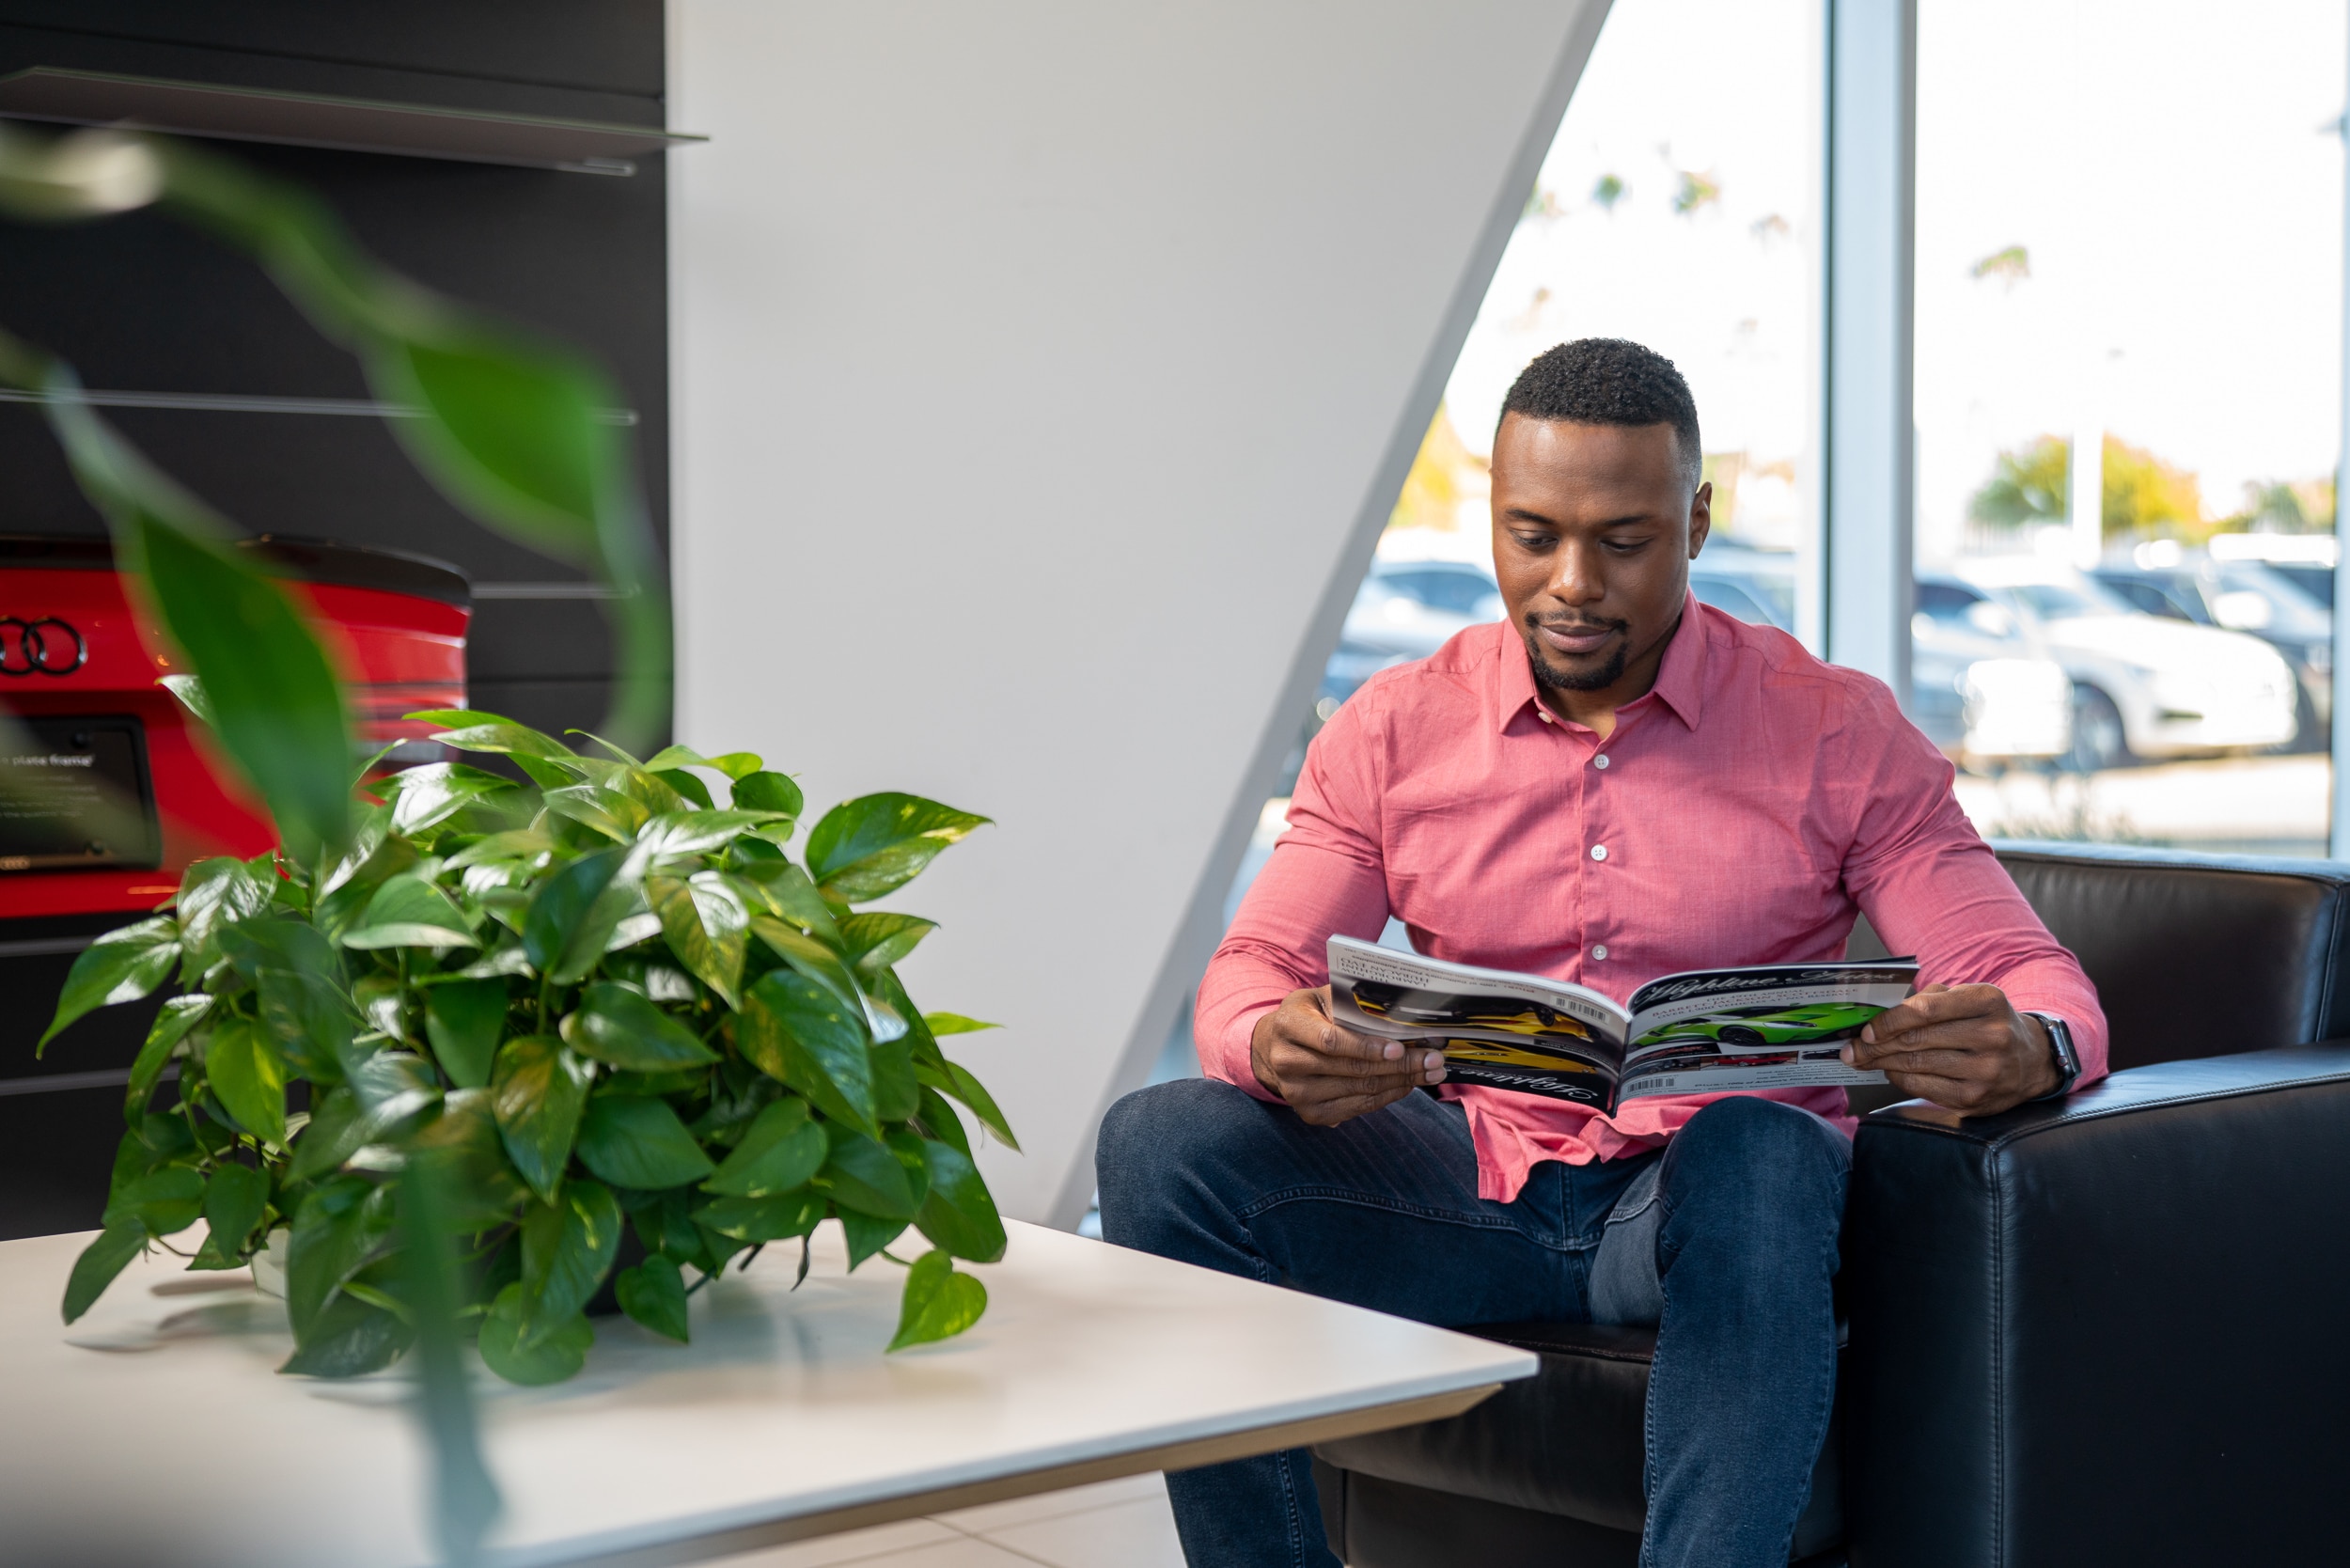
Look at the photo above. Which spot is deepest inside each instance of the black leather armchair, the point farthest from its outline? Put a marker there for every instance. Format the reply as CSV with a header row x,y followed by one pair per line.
x,y
2108,1329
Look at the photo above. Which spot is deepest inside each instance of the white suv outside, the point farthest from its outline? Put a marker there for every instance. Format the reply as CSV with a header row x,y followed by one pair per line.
x,y
2143,685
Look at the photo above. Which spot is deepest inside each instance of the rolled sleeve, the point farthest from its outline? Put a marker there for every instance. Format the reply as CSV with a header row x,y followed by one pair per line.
x,y
1929,885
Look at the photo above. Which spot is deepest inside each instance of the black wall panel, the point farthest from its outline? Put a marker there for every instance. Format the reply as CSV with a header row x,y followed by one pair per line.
x,y
141,303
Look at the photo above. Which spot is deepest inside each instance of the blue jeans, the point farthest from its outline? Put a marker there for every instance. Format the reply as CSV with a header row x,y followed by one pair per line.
x,y
1725,1240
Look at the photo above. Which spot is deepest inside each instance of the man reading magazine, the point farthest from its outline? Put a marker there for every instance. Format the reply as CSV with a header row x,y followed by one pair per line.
x,y
1614,784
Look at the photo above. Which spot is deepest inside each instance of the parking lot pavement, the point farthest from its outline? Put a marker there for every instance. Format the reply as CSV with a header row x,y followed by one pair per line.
x,y
2258,805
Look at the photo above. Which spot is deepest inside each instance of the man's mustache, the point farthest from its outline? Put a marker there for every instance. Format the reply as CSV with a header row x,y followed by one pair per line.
x,y
1565,623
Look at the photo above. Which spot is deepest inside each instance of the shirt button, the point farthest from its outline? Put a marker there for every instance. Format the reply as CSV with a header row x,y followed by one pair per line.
x,y
1545,714
1599,851
1600,760
1600,952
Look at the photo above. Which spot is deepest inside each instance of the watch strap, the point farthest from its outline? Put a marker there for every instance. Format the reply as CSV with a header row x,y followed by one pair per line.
x,y
2068,1059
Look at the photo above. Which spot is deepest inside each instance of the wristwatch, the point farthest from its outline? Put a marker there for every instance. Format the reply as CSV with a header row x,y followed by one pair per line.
x,y
2068,1061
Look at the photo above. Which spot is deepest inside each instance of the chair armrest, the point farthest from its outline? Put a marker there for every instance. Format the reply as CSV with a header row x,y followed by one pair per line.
x,y
2107,1328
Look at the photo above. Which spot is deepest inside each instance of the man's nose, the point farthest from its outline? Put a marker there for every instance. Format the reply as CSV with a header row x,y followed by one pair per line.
x,y
1578,578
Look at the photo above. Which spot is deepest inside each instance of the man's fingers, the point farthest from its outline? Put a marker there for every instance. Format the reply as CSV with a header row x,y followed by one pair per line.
x,y
1934,1004
1957,1066
1966,1036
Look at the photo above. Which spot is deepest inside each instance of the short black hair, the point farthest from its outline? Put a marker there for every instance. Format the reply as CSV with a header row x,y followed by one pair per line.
x,y
1607,381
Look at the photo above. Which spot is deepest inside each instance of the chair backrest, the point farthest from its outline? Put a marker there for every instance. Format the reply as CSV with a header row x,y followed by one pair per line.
x,y
2196,955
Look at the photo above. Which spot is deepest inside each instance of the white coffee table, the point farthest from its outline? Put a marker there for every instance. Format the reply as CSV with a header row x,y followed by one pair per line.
x,y
155,1431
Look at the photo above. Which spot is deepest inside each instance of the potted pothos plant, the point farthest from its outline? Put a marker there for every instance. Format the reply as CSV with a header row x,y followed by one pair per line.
x,y
606,1003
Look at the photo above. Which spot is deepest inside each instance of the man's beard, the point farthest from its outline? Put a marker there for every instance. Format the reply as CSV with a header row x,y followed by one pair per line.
x,y
1548,674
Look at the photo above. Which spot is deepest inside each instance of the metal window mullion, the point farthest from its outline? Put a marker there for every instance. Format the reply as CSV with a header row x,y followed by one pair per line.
x,y
1868,440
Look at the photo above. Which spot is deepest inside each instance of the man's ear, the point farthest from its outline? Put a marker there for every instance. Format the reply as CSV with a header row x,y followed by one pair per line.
x,y
1701,518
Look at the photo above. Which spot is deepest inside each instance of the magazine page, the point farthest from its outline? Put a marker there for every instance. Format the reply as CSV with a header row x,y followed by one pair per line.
x,y
1377,990
1518,1032
1770,1027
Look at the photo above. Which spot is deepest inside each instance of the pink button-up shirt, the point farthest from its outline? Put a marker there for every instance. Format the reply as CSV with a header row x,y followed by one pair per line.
x,y
1742,812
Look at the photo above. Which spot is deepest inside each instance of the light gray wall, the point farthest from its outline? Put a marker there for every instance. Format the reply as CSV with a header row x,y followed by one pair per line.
x,y
1042,373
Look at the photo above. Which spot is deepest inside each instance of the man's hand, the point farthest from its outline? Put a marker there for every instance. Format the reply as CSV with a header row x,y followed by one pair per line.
x,y
1961,1046
1328,1074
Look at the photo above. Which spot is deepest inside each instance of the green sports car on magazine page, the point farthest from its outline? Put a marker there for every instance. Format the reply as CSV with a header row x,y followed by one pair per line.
x,y
1794,1026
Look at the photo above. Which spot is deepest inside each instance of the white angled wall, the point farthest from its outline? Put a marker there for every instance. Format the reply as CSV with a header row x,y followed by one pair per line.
x,y
1042,374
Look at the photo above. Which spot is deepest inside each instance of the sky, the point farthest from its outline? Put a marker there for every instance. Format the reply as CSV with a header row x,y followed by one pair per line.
x,y
2167,167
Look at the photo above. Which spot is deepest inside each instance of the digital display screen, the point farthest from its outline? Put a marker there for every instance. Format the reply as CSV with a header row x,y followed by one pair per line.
x,y
75,792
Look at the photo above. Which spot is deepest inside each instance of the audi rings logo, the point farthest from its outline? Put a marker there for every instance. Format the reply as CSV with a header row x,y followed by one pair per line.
x,y
46,646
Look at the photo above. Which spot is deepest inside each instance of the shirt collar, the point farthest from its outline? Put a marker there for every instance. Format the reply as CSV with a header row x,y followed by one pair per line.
x,y
1680,679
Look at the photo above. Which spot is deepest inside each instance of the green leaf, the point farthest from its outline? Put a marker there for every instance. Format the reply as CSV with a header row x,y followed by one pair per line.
x,y
819,962
707,927
568,1247
166,1202
253,943
632,1141
312,1022
781,1149
956,1081
556,1355
431,794
120,966
865,1176
605,811
763,1219
682,833
734,764
409,912
768,791
955,1022
511,428
234,1200
616,1022
939,1120
386,1089
538,1093
570,916
466,731
876,844
465,1020
276,706
796,1031
480,1185
653,1292
107,1255
215,894
244,1068
684,783
938,1303
958,1214
338,1229
179,1015
866,1235
350,1337
896,1089
877,939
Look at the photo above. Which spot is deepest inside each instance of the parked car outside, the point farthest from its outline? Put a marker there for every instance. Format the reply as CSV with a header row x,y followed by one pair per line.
x,y
2304,560
2242,596
2143,685
1405,610
1985,692
1983,685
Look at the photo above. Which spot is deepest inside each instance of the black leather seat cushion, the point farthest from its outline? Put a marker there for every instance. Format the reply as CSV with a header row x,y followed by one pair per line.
x,y
2260,940
1568,1441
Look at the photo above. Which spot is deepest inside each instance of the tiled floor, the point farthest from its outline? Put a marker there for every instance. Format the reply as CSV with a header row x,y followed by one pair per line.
x,y
1117,1524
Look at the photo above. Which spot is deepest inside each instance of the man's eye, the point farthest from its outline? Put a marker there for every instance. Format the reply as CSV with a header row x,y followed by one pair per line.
x,y
1626,546
1534,542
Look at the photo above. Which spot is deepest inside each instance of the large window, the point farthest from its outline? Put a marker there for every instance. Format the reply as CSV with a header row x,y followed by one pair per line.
x,y
2128,377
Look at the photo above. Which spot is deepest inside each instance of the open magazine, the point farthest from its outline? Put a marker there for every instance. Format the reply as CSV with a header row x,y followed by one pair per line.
x,y
1773,1026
